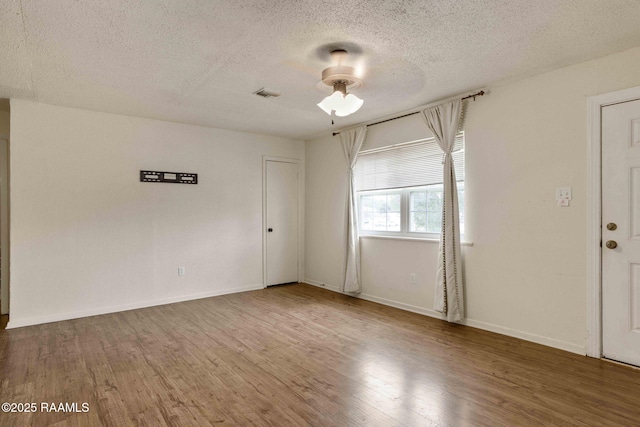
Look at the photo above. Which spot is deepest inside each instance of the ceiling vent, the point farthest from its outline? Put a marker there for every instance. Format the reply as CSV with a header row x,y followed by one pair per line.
x,y
266,93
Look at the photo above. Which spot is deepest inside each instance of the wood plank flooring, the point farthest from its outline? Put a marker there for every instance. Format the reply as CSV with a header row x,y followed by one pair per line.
x,y
297,355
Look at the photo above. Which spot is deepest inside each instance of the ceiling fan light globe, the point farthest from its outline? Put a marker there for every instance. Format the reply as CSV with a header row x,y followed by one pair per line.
x,y
342,112
350,104
332,102
353,103
324,107
342,105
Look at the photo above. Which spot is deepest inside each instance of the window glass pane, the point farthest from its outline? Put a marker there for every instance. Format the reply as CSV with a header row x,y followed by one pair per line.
x,y
418,222
367,203
367,222
418,200
380,203
393,203
434,222
435,200
380,221
434,209
393,221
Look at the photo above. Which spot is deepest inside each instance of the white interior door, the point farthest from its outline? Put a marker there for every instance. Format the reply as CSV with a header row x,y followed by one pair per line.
x,y
282,222
621,232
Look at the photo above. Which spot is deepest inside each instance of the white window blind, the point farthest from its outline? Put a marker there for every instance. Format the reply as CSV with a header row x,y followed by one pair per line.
x,y
406,165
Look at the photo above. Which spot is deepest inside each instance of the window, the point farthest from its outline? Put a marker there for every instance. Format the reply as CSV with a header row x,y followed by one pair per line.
x,y
380,212
400,189
425,209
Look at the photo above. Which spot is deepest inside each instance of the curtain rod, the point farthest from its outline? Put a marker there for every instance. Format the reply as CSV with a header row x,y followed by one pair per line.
x,y
416,112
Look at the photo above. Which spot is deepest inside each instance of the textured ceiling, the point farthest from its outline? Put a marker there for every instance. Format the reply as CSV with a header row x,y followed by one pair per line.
x,y
198,61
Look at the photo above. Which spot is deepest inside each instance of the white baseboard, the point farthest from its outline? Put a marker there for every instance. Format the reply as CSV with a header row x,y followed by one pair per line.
x,y
527,336
538,339
401,305
323,285
114,309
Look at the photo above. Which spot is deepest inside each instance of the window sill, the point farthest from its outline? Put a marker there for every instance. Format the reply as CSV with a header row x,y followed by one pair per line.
x,y
411,239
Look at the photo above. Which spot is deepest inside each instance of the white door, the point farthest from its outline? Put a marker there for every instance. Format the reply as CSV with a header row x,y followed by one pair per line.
x,y
282,222
621,232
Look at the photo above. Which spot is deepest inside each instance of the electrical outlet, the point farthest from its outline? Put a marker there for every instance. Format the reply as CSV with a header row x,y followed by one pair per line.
x,y
181,271
412,278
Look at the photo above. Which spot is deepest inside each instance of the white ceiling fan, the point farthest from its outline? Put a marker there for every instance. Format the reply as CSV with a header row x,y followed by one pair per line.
x,y
341,77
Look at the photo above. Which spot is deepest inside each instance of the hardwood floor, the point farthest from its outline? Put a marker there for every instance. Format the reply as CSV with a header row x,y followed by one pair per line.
x,y
298,355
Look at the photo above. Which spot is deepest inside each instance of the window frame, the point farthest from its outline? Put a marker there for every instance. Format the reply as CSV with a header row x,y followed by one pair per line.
x,y
405,213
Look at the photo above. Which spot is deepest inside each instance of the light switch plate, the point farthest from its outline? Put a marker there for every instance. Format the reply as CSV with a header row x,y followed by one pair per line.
x,y
563,193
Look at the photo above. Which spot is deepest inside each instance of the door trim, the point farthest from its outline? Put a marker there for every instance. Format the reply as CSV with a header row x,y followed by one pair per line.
x,y
297,162
4,228
594,212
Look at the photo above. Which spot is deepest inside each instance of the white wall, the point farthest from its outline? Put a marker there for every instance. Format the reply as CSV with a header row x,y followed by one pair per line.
x,y
87,237
526,271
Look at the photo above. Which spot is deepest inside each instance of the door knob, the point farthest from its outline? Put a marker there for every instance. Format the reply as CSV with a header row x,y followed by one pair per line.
x,y
611,226
611,244
270,230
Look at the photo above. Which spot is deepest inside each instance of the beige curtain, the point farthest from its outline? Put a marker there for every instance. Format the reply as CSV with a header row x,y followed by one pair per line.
x,y
444,120
351,142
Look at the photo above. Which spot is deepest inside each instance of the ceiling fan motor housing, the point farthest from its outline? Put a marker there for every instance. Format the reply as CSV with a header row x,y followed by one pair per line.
x,y
341,74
